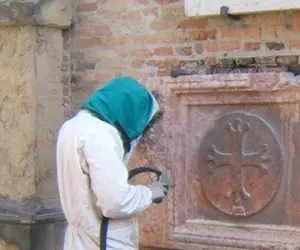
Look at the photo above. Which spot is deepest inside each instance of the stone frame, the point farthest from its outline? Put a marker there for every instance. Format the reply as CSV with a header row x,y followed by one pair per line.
x,y
169,221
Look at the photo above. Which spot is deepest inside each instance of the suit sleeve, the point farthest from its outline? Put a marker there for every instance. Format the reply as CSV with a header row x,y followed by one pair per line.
x,y
115,197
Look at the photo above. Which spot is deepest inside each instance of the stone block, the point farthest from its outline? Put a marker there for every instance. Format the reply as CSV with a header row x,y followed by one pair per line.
x,y
230,143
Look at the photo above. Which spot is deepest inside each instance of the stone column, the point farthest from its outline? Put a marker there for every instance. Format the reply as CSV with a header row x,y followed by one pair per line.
x,y
31,111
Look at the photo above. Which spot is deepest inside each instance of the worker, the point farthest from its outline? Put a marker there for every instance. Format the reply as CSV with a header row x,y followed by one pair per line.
x,y
93,149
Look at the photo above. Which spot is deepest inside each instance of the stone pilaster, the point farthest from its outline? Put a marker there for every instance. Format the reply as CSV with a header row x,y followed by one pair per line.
x,y
31,111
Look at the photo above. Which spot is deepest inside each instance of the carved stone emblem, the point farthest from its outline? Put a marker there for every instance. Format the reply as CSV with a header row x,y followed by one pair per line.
x,y
242,164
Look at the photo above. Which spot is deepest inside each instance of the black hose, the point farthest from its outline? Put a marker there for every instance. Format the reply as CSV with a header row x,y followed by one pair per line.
x,y
104,222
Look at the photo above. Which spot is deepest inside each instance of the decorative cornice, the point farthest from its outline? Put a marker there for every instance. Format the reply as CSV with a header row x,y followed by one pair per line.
x,y
52,13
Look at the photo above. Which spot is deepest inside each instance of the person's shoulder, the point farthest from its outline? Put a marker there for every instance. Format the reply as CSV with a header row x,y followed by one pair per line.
x,y
95,129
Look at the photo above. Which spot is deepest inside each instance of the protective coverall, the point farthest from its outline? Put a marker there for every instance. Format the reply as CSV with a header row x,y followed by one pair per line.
x,y
92,151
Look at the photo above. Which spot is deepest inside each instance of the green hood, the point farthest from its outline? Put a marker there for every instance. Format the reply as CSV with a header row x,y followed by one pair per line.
x,y
125,104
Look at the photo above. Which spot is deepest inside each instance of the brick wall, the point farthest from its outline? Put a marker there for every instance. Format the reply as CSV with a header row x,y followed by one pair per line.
x,y
152,37
66,73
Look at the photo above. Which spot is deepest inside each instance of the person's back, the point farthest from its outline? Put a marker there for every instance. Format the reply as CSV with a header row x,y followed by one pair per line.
x,y
92,177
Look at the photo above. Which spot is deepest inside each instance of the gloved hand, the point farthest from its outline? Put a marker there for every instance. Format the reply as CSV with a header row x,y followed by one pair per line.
x,y
158,190
165,181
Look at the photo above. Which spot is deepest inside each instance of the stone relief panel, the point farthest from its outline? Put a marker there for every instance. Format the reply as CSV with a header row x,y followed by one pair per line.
x,y
242,165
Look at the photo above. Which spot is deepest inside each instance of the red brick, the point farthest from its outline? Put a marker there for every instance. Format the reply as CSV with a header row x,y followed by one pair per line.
x,y
270,18
135,73
111,40
113,64
87,7
163,51
184,51
295,20
84,30
129,15
101,30
102,77
137,63
94,30
252,46
201,35
173,37
253,33
139,53
273,17
274,31
88,42
170,37
133,39
173,12
162,72
142,2
223,46
164,64
151,12
295,44
296,14
193,23
101,53
115,5
164,24
296,27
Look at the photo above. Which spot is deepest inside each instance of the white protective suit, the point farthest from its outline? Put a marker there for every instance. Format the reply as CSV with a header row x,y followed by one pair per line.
x,y
90,158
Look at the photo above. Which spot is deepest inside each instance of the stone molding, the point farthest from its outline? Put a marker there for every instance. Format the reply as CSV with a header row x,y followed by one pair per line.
x,y
50,13
29,211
